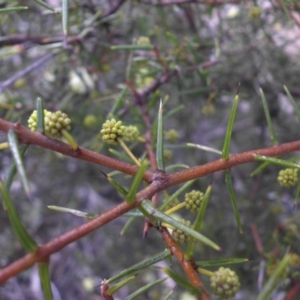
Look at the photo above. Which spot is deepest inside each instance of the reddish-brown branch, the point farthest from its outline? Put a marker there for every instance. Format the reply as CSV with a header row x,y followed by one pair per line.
x,y
73,235
257,240
28,137
187,265
32,138
233,160
294,293
159,181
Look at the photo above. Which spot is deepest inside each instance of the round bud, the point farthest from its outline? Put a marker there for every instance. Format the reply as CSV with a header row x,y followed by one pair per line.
x,y
180,236
90,121
131,133
56,122
32,121
288,177
168,154
112,130
171,135
254,12
225,283
193,200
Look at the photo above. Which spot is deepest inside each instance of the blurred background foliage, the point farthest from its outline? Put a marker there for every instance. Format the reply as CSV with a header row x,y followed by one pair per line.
x,y
213,48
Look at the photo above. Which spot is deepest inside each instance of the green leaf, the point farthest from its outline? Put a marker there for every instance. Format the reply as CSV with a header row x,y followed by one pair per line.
x,y
176,194
228,182
277,275
144,289
204,148
177,166
182,281
173,111
65,17
221,262
136,183
198,222
170,36
268,117
118,102
141,265
293,102
25,239
14,146
297,194
277,161
160,139
46,5
169,295
169,220
120,155
260,168
40,115
10,9
225,151
113,289
45,280
127,224
133,214
74,212
13,169
123,191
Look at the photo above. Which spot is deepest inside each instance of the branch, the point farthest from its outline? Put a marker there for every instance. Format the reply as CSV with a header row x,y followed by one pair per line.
x,y
26,136
233,160
187,265
65,239
8,82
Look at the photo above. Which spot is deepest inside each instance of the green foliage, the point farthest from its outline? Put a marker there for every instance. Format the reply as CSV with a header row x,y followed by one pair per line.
x,y
111,66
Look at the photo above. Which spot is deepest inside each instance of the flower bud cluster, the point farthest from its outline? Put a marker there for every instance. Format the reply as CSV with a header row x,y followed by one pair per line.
x,y
225,283
112,130
171,135
131,133
180,236
54,123
288,177
193,200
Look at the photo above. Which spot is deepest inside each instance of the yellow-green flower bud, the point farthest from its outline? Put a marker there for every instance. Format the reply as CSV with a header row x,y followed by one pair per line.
x,y
193,200
143,40
131,133
288,177
254,12
89,121
168,154
171,135
32,121
225,283
180,236
56,122
112,130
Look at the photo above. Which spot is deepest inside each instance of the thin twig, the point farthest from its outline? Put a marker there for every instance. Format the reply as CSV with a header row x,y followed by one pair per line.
x,y
10,81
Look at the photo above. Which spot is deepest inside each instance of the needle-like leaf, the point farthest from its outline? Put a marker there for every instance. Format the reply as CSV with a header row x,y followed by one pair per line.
x,y
45,280
226,147
268,117
160,139
229,185
14,146
141,265
25,239
169,220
